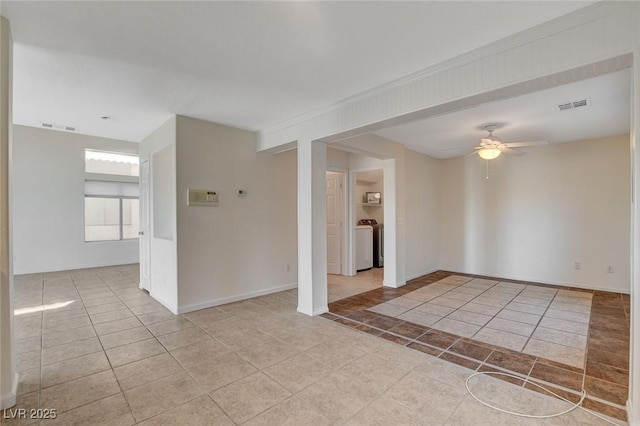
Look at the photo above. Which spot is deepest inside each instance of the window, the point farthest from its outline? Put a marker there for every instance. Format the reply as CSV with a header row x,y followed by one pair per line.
x,y
110,219
111,205
111,163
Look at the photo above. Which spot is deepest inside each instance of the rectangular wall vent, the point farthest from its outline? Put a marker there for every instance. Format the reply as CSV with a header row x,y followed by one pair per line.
x,y
574,104
59,127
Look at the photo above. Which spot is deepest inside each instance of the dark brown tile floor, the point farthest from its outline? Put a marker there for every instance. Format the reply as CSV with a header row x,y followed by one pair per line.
x,y
604,378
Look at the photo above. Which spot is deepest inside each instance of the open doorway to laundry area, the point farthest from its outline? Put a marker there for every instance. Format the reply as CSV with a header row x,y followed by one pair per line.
x,y
355,218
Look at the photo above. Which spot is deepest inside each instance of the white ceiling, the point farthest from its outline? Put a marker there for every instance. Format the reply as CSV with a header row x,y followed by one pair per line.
x,y
531,117
246,64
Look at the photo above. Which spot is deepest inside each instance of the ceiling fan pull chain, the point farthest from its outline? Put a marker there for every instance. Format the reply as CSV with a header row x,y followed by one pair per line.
x,y
487,169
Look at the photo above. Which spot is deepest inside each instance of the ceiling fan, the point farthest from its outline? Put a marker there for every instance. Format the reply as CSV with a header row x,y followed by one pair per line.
x,y
491,146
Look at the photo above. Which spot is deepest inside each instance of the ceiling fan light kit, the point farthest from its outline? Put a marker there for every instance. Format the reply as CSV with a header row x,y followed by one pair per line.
x,y
491,146
489,153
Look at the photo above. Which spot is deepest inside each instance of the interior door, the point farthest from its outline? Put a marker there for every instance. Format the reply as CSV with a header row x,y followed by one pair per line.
x,y
145,249
334,223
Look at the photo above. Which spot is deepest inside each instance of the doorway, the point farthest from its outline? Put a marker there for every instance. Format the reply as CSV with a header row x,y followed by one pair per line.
x,y
354,193
335,222
369,212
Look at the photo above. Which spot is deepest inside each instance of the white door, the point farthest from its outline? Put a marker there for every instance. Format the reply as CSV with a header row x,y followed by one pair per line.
x,y
145,249
334,223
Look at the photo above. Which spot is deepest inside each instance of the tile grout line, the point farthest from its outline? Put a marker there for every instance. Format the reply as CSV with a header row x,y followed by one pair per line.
x,y
105,352
108,359
538,324
500,310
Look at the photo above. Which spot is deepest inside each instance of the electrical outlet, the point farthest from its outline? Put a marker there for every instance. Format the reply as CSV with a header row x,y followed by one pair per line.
x,y
610,269
577,266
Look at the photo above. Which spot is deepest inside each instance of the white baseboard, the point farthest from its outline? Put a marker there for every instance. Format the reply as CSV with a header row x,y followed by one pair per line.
x,y
630,419
321,311
9,400
316,312
421,274
236,298
535,280
75,267
166,304
394,285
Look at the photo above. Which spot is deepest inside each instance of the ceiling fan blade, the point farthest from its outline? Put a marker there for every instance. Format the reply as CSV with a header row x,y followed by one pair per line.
x,y
523,144
470,154
509,151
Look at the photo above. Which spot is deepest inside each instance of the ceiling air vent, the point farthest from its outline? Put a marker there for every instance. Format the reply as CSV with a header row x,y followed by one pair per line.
x,y
581,103
59,127
574,104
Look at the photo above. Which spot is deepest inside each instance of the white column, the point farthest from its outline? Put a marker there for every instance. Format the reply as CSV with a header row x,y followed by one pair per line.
x,y
389,191
312,227
8,375
394,232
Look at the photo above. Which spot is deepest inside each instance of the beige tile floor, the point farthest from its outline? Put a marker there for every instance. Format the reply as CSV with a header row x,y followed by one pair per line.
x,y
340,287
98,350
541,321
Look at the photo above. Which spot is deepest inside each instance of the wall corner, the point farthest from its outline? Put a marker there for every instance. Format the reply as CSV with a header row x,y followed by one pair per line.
x,y
9,400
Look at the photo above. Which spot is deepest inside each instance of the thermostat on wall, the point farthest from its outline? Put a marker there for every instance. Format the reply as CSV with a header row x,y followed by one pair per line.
x,y
202,197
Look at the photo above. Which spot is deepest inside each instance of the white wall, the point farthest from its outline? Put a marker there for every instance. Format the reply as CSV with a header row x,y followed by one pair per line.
x,y
337,159
539,214
422,213
159,148
243,246
48,203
